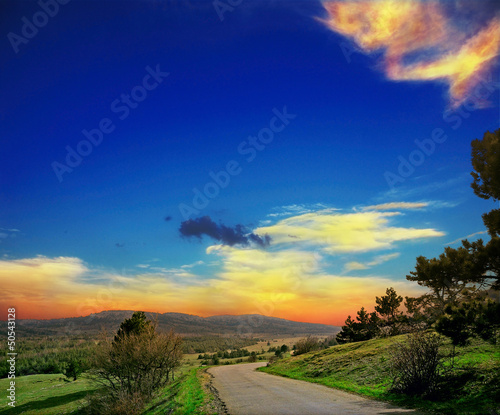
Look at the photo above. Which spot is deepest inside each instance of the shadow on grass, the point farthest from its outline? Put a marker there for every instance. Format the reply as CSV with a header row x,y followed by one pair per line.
x,y
461,391
166,402
45,404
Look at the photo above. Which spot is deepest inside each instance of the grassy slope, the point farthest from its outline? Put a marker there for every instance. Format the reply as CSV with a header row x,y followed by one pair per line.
x,y
55,395
45,394
187,395
363,368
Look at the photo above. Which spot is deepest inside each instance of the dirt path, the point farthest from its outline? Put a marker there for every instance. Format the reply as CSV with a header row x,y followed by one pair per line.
x,y
246,391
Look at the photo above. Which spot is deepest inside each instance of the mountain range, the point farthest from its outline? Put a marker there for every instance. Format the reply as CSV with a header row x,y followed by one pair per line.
x,y
252,325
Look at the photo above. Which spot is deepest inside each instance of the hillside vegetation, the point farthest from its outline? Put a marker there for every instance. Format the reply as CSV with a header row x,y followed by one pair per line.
x,y
472,386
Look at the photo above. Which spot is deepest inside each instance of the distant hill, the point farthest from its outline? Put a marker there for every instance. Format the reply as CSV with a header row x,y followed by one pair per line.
x,y
186,324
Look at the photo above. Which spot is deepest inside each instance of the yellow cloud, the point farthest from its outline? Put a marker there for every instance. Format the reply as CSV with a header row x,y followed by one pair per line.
x,y
343,232
354,265
404,27
290,284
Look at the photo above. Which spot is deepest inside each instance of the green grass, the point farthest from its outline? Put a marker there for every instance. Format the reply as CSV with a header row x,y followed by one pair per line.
x,y
56,395
185,396
46,395
471,387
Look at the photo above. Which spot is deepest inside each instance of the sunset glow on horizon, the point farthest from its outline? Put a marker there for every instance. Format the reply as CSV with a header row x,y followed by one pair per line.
x,y
288,280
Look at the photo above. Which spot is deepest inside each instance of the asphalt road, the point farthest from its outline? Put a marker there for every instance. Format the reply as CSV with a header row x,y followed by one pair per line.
x,y
246,391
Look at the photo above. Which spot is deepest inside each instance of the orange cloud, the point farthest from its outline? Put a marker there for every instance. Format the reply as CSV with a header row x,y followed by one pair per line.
x,y
419,29
43,287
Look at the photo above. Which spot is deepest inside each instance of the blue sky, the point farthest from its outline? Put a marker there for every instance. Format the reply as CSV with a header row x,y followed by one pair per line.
x,y
117,213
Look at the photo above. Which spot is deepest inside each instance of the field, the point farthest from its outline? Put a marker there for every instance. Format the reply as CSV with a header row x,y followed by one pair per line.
x,y
46,394
470,387
54,394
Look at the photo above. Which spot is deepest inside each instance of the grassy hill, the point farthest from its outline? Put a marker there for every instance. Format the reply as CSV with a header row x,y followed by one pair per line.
x,y
56,395
471,387
253,325
47,395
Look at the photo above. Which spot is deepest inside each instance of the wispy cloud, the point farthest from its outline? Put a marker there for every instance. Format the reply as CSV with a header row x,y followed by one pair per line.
x,y
194,264
380,259
421,41
297,209
427,189
466,237
8,233
354,266
422,205
397,205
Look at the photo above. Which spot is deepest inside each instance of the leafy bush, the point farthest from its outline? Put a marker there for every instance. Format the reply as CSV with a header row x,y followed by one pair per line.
x,y
307,344
415,363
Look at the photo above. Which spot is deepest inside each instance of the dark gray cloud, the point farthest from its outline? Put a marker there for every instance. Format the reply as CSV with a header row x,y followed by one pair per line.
x,y
237,235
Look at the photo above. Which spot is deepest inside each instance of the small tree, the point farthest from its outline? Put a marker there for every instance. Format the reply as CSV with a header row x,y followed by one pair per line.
x,y
387,306
137,324
364,328
73,369
136,364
